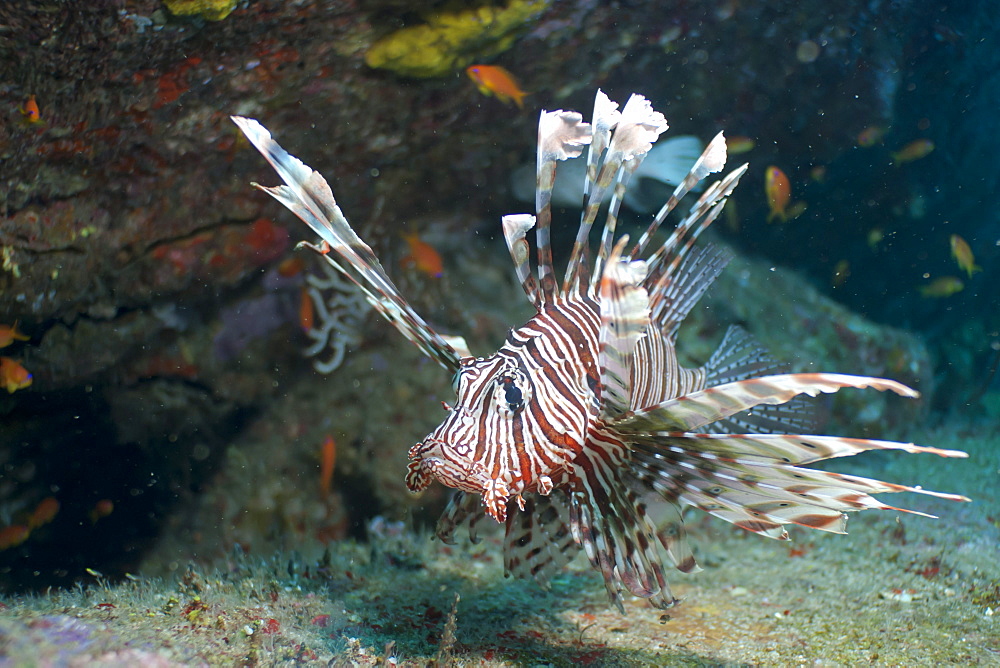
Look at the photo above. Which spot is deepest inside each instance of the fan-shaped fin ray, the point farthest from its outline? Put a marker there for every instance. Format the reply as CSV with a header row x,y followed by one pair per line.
x,y
308,196
538,540
695,410
712,160
739,357
612,526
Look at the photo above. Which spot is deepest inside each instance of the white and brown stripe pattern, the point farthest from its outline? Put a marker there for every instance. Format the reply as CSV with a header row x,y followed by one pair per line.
x,y
583,430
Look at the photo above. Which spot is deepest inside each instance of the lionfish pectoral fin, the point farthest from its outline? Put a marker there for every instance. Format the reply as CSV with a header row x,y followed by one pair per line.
x,y
309,196
754,481
612,525
692,411
538,541
462,508
671,532
624,320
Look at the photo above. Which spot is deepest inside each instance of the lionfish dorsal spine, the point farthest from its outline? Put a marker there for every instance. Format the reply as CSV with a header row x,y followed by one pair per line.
x,y
307,194
639,126
561,136
624,320
515,229
712,160
604,120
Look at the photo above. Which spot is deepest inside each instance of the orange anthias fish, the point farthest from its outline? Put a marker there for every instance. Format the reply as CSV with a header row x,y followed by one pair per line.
x,y
916,149
30,111
870,136
44,512
495,80
944,286
13,376
328,457
779,192
13,535
963,255
9,334
101,509
422,256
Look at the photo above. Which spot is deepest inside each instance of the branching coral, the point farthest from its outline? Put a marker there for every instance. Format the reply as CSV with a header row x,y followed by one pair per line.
x,y
340,311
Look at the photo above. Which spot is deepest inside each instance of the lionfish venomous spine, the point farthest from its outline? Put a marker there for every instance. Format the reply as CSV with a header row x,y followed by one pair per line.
x,y
583,430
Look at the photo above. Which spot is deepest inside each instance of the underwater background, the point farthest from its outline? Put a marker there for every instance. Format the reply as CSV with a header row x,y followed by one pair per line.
x,y
203,435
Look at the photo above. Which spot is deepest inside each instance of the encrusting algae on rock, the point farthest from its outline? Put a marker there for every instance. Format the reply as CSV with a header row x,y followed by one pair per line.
x,y
449,41
210,10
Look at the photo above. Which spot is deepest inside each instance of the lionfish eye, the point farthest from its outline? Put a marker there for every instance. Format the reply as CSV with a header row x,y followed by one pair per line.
x,y
512,393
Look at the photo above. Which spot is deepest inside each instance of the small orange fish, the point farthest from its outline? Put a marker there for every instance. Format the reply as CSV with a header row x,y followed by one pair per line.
x,y
422,256
495,80
44,512
738,145
796,210
841,272
13,376
30,111
13,536
328,457
779,192
9,334
101,509
870,136
307,311
963,255
875,237
916,149
291,266
944,286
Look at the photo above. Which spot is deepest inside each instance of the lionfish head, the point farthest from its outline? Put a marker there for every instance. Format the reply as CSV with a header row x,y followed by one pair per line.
x,y
481,446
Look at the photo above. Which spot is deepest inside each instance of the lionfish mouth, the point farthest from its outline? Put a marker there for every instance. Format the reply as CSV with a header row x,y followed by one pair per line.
x,y
428,462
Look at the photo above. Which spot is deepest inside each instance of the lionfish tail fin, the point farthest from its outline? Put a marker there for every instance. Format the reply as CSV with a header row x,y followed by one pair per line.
x,y
624,320
756,483
307,194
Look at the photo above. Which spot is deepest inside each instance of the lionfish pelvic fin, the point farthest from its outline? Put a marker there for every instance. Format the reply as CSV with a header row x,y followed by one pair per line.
x,y
308,196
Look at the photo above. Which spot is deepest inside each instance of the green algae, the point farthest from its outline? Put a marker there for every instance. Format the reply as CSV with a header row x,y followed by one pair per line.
x,y
448,40
897,590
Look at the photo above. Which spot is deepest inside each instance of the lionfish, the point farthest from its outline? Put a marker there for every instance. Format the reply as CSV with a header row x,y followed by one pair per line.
x,y
583,430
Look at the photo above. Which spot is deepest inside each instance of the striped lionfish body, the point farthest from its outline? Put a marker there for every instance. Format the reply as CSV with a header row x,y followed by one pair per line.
x,y
583,431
